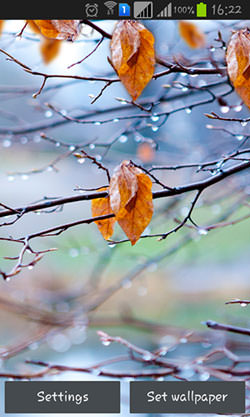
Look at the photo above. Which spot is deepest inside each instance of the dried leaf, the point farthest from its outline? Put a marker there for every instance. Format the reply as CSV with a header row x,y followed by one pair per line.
x,y
59,29
101,207
1,26
133,55
50,48
131,199
192,35
238,63
145,152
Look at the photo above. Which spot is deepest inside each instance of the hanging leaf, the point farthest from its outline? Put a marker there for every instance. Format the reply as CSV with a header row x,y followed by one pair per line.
x,y
1,26
101,207
192,35
238,63
59,29
50,48
133,55
131,199
145,152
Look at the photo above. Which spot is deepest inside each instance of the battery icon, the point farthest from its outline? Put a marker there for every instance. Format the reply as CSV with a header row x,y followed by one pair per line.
x,y
201,10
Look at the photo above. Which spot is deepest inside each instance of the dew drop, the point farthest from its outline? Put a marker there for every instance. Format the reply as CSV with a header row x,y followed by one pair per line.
x,y
243,304
73,252
188,110
183,340
72,148
106,343
239,137
11,178
30,267
48,114
115,120
58,144
97,123
24,140
155,128
92,146
204,376
155,118
7,143
123,139
98,157
81,160
148,356
212,49
25,177
243,124
224,109
202,232
111,245
238,108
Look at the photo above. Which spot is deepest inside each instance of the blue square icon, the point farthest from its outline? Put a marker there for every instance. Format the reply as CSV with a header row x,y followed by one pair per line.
x,y
124,10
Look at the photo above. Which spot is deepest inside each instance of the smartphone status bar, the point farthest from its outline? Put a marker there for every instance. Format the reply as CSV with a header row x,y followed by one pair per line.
x,y
129,9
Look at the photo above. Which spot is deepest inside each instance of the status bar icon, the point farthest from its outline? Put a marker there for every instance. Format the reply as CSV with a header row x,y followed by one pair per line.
x,y
201,10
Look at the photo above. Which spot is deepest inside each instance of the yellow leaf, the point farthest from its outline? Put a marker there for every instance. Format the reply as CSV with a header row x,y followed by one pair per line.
x,y
101,207
238,63
59,29
133,55
192,35
131,199
50,48
1,26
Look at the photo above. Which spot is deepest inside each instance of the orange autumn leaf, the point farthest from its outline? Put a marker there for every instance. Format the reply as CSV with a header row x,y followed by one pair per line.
x,y
101,207
131,199
238,63
59,29
145,152
1,26
50,48
192,35
133,55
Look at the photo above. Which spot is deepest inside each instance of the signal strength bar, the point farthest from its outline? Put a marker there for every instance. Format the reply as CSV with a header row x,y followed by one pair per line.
x,y
166,12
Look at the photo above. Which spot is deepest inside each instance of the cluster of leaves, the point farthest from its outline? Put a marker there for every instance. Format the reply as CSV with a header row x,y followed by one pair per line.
x,y
130,200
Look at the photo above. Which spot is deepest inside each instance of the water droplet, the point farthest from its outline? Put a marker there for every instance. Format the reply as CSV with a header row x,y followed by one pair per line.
x,y
111,245
72,148
73,252
204,376
155,128
224,109
24,140
30,267
155,118
147,356
138,138
11,178
106,343
50,168
183,340
98,157
202,232
59,342
95,372
48,114
212,49
123,139
188,110
184,89
243,304
25,177
243,124
97,123
116,120
81,160
7,143
239,137
209,126
238,108
91,96
58,144
92,146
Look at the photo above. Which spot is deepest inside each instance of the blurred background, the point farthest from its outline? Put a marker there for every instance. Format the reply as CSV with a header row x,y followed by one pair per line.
x,y
177,283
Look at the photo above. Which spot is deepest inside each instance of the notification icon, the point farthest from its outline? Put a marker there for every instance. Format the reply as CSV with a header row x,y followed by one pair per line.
x,y
124,10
